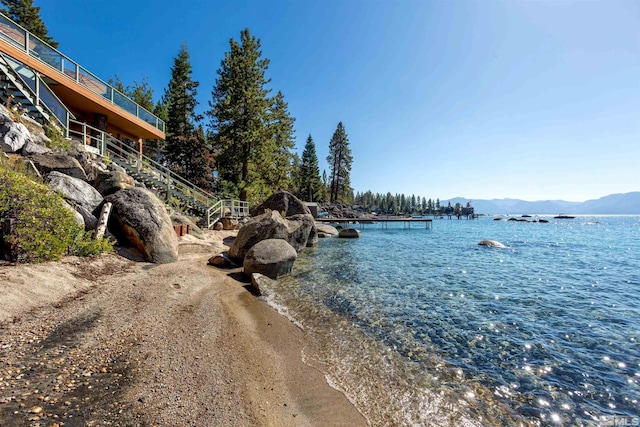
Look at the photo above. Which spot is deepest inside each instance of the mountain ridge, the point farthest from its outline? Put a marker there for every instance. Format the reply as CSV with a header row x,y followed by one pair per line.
x,y
612,204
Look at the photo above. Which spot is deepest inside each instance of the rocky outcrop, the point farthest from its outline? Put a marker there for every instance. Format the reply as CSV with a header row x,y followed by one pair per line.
x,y
110,181
229,224
284,202
140,219
299,228
14,135
272,257
491,244
269,225
75,191
222,261
261,284
62,163
178,219
32,148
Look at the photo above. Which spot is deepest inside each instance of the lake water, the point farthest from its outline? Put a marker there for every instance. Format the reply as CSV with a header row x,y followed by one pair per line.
x,y
424,327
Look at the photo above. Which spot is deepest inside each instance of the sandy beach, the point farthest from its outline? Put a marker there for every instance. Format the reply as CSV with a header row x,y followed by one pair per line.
x,y
113,341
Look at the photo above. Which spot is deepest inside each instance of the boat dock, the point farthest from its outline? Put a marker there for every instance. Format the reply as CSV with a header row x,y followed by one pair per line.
x,y
384,222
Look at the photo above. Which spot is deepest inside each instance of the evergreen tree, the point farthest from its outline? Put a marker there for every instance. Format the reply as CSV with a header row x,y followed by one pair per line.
x,y
180,98
194,160
310,184
185,149
141,94
28,16
275,164
252,133
155,148
340,160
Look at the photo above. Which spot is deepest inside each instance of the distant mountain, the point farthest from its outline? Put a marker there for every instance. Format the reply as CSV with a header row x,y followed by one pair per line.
x,y
614,204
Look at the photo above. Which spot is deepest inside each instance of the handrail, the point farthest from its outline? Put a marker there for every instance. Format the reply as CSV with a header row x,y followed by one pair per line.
x,y
234,208
33,46
166,175
39,89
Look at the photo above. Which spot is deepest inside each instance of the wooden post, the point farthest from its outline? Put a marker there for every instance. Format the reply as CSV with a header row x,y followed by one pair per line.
x,y
103,220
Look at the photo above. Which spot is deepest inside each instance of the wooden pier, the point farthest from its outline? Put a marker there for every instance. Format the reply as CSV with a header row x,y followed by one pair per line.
x,y
384,222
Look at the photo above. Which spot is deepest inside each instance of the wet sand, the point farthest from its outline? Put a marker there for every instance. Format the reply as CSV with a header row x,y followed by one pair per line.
x,y
110,341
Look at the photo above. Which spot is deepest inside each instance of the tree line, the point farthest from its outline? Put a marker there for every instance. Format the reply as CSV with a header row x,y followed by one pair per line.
x,y
243,145
397,204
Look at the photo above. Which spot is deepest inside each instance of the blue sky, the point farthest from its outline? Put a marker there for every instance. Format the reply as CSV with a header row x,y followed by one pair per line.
x,y
536,100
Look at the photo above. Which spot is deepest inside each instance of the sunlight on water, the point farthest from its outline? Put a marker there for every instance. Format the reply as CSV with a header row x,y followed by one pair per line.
x,y
424,327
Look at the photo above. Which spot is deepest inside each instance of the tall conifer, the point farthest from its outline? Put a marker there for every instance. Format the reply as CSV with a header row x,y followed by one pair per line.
x,y
185,148
180,97
310,187
340,160
252,133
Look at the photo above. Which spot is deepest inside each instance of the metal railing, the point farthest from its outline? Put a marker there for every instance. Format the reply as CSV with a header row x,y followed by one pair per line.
x,y
14,34
227,208
39,94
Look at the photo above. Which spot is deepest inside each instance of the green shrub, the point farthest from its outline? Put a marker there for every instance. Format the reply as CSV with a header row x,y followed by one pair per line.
x,y
44,228
83,244
58,142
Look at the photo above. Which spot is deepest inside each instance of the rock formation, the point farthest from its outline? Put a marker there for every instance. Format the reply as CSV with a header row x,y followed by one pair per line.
x,y
272,257
140,219
491,244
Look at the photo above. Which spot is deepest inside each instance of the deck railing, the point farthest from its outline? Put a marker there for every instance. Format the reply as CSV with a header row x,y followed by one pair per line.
x,y
22,39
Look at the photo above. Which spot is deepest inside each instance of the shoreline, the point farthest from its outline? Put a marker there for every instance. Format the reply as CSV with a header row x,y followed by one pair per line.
x,y
142,344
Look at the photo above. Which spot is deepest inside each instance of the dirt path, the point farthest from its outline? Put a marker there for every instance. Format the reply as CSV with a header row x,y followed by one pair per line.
x,y
139,344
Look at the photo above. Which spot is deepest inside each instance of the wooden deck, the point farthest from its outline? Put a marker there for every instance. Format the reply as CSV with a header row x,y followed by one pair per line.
x,y
384,222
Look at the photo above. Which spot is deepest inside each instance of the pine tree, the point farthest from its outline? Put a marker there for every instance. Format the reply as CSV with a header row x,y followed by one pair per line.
x,y
251,132
180,97
310,187
194,161
141,94
28,16
275,165
340,160
185,149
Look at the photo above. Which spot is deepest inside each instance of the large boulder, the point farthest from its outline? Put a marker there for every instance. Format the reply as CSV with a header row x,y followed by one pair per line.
x,y
179,219
325,230
283,202
272,257
74,190
230,223
222,260
262,285
13,136
140,219
111,181
47,163
491,244
349,233
269,225
31,148
299,230
90,220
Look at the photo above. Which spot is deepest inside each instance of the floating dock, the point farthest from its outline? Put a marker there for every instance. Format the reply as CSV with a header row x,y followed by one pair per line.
x,y
384,222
